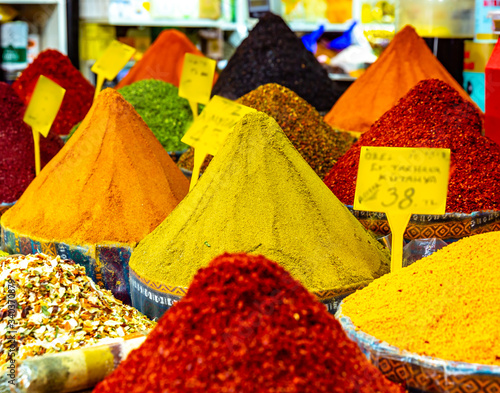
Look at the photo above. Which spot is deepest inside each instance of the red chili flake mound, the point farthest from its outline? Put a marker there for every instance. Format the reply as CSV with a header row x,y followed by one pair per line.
x,y
433,114
79,92
246,325
17,157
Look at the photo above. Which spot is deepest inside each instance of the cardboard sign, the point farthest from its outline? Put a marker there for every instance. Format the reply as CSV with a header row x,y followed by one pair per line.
x,y
401,181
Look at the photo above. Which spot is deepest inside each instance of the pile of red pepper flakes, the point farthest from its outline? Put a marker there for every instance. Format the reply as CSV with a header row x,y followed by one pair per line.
x,y
17,154
79,92
247,326
433,114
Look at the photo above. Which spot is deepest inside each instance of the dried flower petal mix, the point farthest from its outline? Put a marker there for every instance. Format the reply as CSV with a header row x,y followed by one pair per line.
x,y
59,308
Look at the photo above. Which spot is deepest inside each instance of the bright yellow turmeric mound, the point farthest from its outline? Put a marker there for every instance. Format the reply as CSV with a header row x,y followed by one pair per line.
x,y
446,305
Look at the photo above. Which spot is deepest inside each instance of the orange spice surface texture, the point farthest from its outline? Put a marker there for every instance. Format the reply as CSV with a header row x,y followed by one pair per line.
x,y
163,60
446,305
406,61
112,181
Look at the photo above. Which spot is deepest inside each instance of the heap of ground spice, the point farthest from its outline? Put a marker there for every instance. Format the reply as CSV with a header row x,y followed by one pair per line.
x,y
58,308
246,326
433,114
446,305
315,140
272,53
259,196
57,67
112,181
163,60
160,106
406,61
17,153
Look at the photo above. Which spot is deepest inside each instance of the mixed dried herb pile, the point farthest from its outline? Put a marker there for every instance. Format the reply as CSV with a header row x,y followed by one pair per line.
x,y
17,153
166,114
272,53
446,305
58,308
57,67
315,140
433,114
246,326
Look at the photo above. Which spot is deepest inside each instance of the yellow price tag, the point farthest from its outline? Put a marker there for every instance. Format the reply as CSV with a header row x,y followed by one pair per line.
x,y
402,181
209,131
111,63
196,80
42,110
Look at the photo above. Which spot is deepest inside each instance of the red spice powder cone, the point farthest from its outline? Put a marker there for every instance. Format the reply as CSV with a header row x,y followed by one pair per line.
x,y
247,326
163,60
57,67
433,114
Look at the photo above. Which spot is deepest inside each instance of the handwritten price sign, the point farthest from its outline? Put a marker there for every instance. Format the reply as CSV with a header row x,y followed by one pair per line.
x,y
208,132
196,80
401,181
42,111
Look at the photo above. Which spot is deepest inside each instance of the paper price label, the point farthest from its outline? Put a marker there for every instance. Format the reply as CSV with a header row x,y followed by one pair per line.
x,y
42,110
401,181
210,129
111,63
197,78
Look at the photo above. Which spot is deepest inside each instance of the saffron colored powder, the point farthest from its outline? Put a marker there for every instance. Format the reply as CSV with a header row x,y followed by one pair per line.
x,y
245,325
17,153
112,181
79,92
433,114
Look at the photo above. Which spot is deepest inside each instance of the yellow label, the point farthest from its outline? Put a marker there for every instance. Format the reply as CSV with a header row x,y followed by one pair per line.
x,y
44,105
197,78
114,58
210,129
401,181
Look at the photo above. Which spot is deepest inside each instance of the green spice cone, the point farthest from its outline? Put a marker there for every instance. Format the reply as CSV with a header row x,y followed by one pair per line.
x,y
259,196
